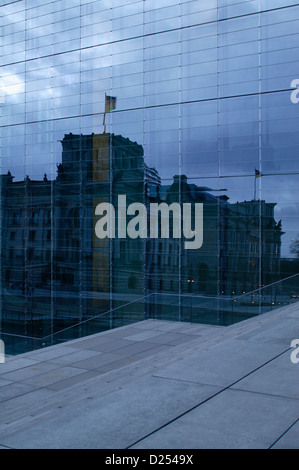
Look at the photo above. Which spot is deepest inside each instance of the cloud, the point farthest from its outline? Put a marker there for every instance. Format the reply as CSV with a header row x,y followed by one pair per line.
x,y
11,85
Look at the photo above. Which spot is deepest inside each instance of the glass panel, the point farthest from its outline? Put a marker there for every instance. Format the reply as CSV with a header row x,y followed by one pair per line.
x,y
119,124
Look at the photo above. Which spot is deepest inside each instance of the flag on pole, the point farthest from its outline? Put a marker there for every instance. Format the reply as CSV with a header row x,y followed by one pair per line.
x,y
258,174
110,103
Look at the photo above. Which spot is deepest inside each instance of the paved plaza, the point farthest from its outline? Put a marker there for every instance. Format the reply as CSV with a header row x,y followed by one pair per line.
x,y
158,385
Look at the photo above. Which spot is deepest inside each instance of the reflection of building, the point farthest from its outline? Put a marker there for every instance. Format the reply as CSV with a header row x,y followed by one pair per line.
x,y
104,166
51,257
253,246
54,265
241,249
26,242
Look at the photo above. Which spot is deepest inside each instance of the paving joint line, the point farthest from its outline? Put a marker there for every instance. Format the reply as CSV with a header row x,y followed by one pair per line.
x,y
265,393
206,400
6,447
283,434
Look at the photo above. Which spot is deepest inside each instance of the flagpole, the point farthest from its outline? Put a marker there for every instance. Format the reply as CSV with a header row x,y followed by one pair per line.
x,y
104,118
110,104
255,178
104,123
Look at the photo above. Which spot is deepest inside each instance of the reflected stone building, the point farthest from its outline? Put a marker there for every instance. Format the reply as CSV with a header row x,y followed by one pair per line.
x,y
234,235
54,267
26,232
48,232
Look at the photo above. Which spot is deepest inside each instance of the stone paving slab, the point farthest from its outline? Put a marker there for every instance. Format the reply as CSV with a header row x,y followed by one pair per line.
x,y
290,439
18,363
74,379
53,376
4,382
28,372
116,422
222,364
49,353
14,390
279,377
73,358
21,406
231,420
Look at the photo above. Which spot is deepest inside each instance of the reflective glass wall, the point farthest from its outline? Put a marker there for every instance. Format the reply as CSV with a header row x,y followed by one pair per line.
x,y
159,102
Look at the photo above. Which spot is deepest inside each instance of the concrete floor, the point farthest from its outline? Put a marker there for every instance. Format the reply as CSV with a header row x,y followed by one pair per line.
x,y
158,385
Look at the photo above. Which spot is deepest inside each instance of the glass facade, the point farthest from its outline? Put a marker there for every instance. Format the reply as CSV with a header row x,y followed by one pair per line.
x,y
163,102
